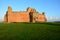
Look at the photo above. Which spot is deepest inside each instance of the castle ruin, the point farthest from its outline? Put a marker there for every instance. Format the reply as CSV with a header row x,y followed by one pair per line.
x,y
30,15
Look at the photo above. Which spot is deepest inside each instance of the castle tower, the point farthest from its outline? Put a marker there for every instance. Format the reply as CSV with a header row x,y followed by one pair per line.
x,y
9,14
9,10
43,13
28,9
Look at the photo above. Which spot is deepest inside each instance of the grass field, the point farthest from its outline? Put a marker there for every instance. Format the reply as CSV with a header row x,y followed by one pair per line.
x,y
30,31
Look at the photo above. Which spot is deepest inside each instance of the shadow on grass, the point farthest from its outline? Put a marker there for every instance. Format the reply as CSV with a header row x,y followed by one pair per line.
x,y
51,23
47,23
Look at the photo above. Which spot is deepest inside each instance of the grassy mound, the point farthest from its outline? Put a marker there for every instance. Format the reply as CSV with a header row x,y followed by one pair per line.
x,y
29,31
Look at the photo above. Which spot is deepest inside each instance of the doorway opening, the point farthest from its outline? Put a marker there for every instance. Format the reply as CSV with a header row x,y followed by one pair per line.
x,y
31,16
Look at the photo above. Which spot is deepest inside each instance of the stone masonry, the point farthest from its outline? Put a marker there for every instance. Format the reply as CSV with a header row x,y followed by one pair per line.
x,y
30,15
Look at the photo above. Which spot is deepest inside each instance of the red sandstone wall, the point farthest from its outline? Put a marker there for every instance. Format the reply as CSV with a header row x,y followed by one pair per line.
x,y
19,17
41,18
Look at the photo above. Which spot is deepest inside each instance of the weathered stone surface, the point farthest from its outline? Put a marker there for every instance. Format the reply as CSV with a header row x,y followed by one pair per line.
x,y
31,15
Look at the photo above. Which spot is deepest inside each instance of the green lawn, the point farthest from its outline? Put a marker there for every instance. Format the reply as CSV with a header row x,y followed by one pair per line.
x,y
30,31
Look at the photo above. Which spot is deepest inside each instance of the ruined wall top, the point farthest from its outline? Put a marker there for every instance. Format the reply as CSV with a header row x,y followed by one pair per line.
x,y
9,8
31,9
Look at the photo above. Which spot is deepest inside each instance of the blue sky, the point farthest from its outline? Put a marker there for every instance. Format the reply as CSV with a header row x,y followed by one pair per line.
x,y
50,7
